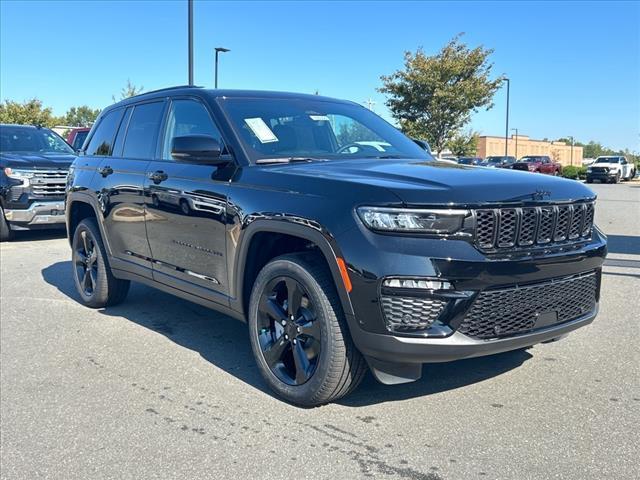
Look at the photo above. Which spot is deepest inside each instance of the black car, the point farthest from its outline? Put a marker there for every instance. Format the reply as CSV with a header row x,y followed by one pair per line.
x,y
33,170
279,210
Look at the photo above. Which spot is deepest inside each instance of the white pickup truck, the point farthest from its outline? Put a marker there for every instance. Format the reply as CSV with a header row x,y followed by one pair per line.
x,y
611,168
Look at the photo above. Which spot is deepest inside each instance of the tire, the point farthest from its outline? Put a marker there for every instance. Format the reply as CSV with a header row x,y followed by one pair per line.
x,y
317,333
184,206
92,275
617,178
589,180
5,231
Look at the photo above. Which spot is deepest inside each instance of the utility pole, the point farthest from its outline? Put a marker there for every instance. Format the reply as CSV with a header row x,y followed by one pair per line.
x,y
190,9
516,130
506,127
218,50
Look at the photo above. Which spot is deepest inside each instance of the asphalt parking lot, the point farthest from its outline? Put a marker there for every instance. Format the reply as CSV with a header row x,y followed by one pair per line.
x,y
161,388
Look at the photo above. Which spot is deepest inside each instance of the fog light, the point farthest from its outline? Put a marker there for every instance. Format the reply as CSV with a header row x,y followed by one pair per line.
x,y
416,283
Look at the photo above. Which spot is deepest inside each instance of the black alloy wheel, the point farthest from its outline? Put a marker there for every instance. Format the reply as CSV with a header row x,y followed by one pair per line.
x,y
94,281
288,331
86,262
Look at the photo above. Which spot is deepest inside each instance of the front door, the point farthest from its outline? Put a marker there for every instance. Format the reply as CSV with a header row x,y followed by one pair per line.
x,y
186,209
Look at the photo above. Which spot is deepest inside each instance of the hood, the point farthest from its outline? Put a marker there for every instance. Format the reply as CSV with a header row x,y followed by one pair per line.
x,y
49,160
419,182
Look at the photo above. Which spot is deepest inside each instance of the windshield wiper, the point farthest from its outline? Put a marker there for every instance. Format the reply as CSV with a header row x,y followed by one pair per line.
x,y
262,161
385,157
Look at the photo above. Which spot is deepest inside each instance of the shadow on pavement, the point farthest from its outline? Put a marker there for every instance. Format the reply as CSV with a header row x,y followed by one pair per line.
x,y
224,342
20,236
625,244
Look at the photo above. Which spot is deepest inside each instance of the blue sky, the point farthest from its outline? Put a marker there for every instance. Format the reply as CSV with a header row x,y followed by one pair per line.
x,y
574,66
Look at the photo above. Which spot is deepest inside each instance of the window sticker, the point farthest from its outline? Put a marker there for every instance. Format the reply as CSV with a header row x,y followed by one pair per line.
x,y
319,118
261,130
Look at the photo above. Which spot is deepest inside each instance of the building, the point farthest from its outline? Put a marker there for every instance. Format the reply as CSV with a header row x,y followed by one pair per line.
x,y
521,145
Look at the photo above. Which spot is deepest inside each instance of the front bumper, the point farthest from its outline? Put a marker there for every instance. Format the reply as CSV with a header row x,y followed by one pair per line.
x,y
38,213
399,355
602,176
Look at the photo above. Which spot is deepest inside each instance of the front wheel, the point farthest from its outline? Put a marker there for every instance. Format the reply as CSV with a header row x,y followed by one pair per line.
x,y
617,178
91,271
298,332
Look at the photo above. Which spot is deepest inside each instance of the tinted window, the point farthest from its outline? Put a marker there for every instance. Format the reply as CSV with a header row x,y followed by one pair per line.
x,y
187,117
142,132
101,142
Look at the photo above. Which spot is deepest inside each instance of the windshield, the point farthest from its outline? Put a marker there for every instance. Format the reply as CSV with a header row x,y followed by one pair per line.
x,y
276,128
607,160
26,139
531,159
496,159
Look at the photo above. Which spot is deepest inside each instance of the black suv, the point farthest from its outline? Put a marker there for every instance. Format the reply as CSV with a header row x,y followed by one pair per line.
x,y
341,242
33,173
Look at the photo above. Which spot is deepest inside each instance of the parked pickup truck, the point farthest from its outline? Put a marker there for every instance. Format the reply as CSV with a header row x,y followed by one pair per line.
x,y
33,170
610,169
542,164
503,162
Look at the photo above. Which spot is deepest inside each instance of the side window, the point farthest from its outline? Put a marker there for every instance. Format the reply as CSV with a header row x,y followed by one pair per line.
x,y
142,132
101,142
187,117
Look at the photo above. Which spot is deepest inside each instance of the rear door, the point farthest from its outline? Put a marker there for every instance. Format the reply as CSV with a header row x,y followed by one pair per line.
x,y
187,209
122,192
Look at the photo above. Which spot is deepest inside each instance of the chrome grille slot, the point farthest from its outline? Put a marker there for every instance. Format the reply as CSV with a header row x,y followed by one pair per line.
x,y
49,183
502,229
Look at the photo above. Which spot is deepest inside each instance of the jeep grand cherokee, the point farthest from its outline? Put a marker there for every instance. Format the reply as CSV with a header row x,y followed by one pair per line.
x,y
279,210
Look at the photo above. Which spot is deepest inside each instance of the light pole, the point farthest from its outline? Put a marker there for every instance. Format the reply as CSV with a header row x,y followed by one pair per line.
x,y
571,149
516,130
218,50
190,42
506,127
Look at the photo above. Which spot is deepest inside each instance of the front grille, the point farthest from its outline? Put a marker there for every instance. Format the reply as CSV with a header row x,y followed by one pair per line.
x,y
409,314
500,229
50,183
600,169
498,313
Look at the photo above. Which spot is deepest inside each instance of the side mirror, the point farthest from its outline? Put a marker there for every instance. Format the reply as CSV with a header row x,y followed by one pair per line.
x,y
201,149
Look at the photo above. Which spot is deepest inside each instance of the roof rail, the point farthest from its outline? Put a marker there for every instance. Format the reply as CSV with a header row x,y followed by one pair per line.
x,y
164,90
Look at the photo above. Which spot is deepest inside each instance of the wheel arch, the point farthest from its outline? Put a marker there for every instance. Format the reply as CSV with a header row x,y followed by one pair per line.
x,y
248,261
79,207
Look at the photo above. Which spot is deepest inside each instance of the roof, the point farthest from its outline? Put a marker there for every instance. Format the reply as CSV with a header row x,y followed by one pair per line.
x,y
20,126
225,93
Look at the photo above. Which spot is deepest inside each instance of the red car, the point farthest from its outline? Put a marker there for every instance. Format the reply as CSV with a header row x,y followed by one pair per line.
x,y
77,136
542,164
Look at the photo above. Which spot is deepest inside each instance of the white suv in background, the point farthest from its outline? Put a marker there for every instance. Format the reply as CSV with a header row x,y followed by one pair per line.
x,y
610,168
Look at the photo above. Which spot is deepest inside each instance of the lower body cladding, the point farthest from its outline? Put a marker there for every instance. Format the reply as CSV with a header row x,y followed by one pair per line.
x,y
39,214
414,310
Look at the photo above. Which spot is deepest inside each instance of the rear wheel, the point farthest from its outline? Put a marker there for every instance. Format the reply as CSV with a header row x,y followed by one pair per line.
x,y
298,332
91,271
5,230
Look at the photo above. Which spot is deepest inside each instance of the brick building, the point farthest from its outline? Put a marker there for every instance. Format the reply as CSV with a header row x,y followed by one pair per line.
x,y
558,151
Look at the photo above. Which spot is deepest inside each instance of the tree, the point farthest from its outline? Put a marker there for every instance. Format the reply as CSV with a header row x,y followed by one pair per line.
x,y
82,116
29,112
130,90
463,144
433,96
355,132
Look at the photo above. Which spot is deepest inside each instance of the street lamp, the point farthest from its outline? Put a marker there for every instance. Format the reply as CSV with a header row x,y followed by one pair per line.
x,y
190,39
218,50
516,130
506,128
571,149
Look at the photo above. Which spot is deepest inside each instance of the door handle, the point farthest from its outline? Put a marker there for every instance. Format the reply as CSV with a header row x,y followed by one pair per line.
x,y
158,176
105,171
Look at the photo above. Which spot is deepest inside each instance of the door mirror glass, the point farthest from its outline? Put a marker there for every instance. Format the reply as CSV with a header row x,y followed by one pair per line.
x,y
203,149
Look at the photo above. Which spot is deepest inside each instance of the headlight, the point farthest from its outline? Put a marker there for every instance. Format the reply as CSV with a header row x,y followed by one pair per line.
x,y
409,220
17,174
